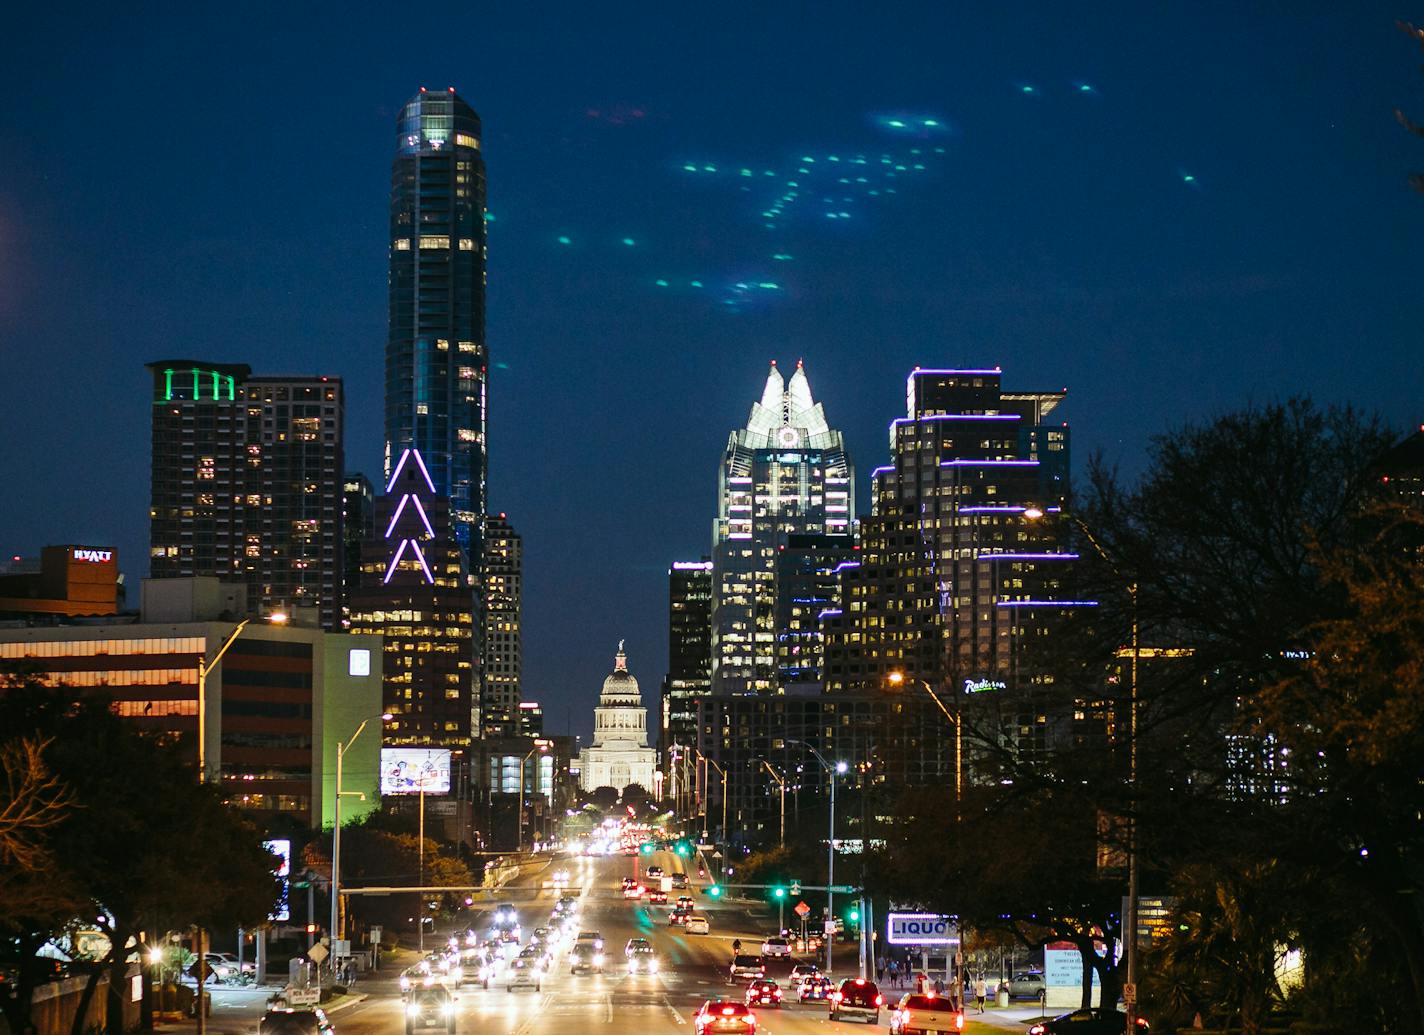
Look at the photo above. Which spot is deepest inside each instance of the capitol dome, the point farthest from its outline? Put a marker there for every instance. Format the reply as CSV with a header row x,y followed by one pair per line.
x,y
620,688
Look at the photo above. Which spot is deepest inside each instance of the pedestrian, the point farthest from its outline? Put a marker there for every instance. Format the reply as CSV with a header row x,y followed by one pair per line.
x,y
939,986
981,991
894,969
920,982
880,971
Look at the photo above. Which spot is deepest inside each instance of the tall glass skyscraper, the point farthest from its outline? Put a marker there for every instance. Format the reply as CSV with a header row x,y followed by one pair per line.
x,y
436,359
786,473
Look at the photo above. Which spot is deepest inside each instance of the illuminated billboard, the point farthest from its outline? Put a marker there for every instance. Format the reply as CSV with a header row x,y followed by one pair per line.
x,y
282,849
412,770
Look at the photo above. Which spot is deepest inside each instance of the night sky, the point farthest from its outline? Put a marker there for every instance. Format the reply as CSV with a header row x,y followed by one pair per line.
x,y
1171,213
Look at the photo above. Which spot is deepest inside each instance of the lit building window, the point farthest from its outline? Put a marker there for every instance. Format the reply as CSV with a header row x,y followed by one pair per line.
x,y
401,244
467,244
434,241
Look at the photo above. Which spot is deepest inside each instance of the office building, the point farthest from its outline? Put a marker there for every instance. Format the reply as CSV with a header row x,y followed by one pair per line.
x,y
619,754
500,712
358,517
807,582
437,364
531,719
785,473
415,594
962,559
247,483
273,707
64,581
689,673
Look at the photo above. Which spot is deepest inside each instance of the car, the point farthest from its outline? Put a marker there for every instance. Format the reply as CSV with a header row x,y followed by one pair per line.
x,y
432,1007
763,993
802,971
696,923
561,878
685,901
225,967
814,989
775,946
724,1017
628,882
592,937
927,1014
654,872
1027,984
584,958
636,891
678,917
642,959
634,944
292,1021
1086,1022
857,997
746,968
679,880
657,896
524,973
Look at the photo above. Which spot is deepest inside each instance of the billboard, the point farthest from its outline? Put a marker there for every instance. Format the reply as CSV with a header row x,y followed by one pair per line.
x,y
411,770
282,849
920,929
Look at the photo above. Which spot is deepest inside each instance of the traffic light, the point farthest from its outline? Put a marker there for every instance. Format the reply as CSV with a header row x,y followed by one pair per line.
x,y
713,891
778,892
312,928
684,849
853,915
646,848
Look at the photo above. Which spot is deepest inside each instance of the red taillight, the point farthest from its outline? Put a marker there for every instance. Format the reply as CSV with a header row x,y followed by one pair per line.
x,y
860,981
728,1011
959,1022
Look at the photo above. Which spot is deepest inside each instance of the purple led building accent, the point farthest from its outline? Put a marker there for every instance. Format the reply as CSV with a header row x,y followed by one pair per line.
x,y
1026,557
992,510
395,471
400,551
828,611
844,565
419,553
956,416
420,508
420,460
988,463
880,470
400,508
918,371
1046,603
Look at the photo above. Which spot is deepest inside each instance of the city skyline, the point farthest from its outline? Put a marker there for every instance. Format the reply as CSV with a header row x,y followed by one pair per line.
x,y
1180,243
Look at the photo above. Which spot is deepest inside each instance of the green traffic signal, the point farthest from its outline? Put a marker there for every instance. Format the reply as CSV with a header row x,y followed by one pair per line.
x,y
646,849
853,916
714,892
778,892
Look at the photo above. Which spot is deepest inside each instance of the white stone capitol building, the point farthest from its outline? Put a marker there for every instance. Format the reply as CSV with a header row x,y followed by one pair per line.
x,y
619,754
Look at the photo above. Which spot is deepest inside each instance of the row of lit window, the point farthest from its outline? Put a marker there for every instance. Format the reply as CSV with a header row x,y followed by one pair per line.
x,y
90,648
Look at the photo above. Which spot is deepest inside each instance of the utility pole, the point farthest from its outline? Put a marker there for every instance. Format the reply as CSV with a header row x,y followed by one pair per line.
x,y
205,668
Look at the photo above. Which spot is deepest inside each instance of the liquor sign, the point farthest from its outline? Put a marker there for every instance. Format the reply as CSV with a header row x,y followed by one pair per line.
x,y
412,770
282,849
920,929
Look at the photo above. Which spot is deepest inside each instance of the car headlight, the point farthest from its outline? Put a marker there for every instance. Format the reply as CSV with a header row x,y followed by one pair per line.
x,y
413,1010
598,960
652,966
448,1009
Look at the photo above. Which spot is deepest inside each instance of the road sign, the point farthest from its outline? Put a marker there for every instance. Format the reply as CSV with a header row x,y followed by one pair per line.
x,y
802,909
795,888
842,889
341,947
302,996
1129,994
317,953
375,935
920,929
830,927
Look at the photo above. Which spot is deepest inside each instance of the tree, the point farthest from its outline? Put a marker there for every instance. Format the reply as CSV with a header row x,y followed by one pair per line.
x,y
144,846
604,797
635,794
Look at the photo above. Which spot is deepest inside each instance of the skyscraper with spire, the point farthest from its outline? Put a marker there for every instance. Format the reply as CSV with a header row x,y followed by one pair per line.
x,y
785,474
436,360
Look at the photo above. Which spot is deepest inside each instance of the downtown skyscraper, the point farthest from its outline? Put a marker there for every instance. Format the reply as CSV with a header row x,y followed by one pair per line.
x,y
785,474
437,363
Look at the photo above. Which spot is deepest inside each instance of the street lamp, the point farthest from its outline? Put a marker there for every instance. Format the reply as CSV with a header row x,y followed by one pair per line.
x,y
341,750
833,770
205,667
898,679
519,837
723,773
1129,920
781,781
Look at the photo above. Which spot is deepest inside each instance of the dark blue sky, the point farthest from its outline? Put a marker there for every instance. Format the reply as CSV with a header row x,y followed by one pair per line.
x,y
211,180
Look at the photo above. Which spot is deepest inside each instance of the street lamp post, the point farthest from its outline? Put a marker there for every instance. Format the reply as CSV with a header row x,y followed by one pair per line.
x,y
898,678
205,667
519,837
781,783
341,750
833,771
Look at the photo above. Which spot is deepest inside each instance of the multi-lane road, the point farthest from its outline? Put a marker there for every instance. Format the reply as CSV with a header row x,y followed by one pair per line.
x,y
693,969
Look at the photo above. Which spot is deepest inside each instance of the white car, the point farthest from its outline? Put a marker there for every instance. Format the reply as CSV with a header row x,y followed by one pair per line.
x,y
697,924
776,946
523,973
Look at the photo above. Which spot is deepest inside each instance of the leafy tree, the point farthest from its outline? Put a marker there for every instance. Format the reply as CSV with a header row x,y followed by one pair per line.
x,y
604,797
144,847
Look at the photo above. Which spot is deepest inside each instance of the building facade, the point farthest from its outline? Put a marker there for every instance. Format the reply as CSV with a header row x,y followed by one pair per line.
x,y
786,473
64,581
962,559
247,482
414,593
689,674
273,708
503,580
437,364
358,519
619,754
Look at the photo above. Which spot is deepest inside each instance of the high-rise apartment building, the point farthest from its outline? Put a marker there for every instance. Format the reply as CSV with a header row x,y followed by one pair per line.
x,y
436,359
358,517
247,482
414,591
962,559
785,473
689,674
808,568
503,651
